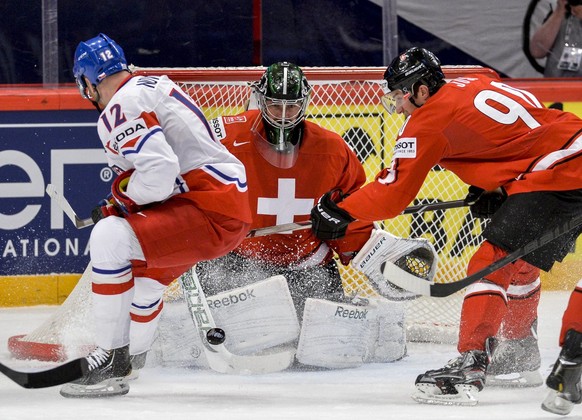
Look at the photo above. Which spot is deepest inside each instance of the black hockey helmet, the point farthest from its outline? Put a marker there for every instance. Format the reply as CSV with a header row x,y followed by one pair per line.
x,y
412,66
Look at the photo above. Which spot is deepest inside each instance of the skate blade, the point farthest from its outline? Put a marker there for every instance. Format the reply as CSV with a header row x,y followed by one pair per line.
x,y
554,403
431,394
516,380
108,388
133,375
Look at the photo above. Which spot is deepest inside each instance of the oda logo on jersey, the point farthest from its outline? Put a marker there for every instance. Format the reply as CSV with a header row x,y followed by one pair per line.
x,y
405,148
131,131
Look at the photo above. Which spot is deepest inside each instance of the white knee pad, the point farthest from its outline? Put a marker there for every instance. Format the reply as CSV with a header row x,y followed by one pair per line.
x,y
113,241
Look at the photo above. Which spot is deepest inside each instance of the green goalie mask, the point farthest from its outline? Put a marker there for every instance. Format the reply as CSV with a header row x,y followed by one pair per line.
x,y
283,95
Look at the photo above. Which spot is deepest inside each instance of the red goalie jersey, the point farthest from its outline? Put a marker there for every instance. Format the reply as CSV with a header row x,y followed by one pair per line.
x,y
279,196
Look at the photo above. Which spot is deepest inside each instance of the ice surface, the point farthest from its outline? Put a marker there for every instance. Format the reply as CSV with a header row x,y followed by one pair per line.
x,y
378,391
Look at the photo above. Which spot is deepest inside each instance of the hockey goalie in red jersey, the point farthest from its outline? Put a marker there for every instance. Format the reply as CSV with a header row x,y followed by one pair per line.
x,y
524,163
180,197
290,163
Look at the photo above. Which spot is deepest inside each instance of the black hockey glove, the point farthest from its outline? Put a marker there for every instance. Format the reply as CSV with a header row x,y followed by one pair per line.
x,y
328,221
483,204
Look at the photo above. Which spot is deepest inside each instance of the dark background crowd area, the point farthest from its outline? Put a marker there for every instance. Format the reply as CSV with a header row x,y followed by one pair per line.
x,y
216,33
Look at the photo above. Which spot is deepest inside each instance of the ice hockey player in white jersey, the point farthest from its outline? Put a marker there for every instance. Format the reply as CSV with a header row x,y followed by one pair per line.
x,y
180,197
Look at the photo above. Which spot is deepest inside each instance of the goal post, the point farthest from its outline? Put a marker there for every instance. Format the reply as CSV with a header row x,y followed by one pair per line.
x,y
346,100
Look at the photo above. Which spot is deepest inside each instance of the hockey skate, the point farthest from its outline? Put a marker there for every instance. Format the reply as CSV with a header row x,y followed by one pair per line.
x,y
564,380
515,363
107,376
458,383
137,361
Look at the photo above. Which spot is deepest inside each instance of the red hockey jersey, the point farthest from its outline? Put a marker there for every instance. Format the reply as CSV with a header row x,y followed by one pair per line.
x,y
489,134
280,196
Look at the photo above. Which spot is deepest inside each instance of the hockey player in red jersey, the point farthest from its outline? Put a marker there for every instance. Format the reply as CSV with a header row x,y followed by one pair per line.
x,y
180,197
528,158
290,163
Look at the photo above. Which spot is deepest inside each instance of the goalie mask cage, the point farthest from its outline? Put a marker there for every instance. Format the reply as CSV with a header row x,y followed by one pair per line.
x,y
345,100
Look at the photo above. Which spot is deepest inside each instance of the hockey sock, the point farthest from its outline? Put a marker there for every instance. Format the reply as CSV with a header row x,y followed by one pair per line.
x,y
571,319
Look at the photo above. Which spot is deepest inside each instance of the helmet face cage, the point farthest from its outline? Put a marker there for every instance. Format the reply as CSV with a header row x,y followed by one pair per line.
x,y
414,66
283,96
96,59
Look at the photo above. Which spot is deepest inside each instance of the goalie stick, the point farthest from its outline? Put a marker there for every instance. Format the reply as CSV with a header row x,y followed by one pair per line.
x,y
420,286
58,375
287,227
219,358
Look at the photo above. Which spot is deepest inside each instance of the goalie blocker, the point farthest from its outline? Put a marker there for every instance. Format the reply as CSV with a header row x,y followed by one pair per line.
x,y
261,316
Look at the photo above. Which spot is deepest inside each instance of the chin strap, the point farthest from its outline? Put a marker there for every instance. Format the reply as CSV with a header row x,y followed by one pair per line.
x,y
411,99
95,100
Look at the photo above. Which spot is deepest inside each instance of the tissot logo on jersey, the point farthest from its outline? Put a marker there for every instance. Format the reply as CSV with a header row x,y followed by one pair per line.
x,y
218,130
405,147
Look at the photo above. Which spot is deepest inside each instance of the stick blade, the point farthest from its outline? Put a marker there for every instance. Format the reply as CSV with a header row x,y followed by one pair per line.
x,y
58,375
268,361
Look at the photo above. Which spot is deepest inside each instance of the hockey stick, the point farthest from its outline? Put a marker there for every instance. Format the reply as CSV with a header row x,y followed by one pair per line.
x,y
219,358
420,286
58,375
287,227
66,207
421,208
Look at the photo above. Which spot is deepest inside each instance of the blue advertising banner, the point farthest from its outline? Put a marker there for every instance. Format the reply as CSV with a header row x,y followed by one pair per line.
x,y
37,148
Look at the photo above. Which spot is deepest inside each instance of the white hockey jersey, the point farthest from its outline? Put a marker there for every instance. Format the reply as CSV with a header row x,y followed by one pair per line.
x,y
151,125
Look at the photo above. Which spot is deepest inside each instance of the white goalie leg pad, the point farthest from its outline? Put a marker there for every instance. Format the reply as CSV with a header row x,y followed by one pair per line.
x,y
388,333
256,317
385,257
334,335
178,342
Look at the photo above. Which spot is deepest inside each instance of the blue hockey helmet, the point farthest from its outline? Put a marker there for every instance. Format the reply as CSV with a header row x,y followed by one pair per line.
x,y
96,59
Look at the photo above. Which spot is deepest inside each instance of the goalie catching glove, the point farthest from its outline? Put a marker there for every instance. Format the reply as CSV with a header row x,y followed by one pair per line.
x,y
117,203
328,221
385,257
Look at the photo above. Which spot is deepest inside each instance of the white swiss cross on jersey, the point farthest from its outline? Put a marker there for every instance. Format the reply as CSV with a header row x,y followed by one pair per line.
x,y
285,206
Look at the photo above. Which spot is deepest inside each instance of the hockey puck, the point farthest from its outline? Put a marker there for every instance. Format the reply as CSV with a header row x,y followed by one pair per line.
x,y
215,336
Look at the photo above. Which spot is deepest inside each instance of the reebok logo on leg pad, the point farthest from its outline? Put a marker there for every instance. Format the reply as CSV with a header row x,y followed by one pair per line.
x,y
231,299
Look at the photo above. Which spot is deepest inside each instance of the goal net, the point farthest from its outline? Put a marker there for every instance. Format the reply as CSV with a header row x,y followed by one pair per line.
x,y
346,101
